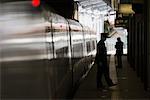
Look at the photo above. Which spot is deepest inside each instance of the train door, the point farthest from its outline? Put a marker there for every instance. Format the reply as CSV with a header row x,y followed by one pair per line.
x,y
61,56
88,41
50,53
77,50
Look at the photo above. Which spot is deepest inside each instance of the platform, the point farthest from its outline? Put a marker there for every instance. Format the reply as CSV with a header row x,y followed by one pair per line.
x,y
129,86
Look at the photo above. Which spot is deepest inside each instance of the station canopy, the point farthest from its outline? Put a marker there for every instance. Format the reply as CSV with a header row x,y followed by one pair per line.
x,y
100,5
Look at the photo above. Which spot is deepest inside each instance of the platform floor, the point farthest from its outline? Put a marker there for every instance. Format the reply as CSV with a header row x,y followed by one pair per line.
x,y
129,86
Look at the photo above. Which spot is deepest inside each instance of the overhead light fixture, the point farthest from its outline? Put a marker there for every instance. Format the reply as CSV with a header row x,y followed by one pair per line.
x,y
126,9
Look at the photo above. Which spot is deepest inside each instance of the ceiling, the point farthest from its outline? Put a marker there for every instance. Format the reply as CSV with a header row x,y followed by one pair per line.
x,y
100,5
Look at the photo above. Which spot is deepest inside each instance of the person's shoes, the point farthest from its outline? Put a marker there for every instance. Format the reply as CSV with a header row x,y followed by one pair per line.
x,y
112,85
103,89
118,66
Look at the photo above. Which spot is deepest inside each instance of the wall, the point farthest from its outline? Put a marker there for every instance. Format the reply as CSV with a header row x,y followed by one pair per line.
x,y
147,2
139,43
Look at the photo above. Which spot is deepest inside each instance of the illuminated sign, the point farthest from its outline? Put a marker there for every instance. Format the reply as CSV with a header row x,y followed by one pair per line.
x,y
126,9
121,22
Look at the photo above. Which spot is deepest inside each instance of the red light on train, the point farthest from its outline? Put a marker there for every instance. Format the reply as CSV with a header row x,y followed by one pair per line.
x,y
35,3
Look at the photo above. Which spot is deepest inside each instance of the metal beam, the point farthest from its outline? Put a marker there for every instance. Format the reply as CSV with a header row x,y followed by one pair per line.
x,y
104,8
100,6
94,4
89,2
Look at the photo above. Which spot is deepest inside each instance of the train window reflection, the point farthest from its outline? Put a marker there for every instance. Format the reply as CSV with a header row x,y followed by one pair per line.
x,y
93,45
62,52
78,50
88,46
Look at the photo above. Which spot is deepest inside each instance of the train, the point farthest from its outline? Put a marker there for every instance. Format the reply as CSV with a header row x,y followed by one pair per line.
x,y
42,54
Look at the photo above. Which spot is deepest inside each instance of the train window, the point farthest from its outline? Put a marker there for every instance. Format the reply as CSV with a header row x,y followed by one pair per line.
x,y
78,50
93,45
88,46
60,35
62,52
61,45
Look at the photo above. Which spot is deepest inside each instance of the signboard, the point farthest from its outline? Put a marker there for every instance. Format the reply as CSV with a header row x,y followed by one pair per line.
x,y
121,22
122,19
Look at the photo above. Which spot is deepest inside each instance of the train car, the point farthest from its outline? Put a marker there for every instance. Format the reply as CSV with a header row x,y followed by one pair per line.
x,y
42,54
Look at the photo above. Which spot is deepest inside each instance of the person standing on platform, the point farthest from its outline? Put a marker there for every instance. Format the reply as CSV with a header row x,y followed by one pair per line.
x,y
101,61
119,52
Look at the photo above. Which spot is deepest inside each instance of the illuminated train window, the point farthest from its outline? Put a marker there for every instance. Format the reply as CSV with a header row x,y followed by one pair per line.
x,y
93,45
78,50
62,52
88,46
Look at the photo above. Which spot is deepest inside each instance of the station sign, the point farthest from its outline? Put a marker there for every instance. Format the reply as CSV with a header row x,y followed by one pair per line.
x,y
122,19
121,22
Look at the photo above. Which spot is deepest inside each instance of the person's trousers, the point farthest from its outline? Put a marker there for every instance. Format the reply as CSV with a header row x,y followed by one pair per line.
x,y
103,70
119,60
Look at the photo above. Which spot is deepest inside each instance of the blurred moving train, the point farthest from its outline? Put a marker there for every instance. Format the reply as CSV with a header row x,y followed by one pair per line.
x,y
42,54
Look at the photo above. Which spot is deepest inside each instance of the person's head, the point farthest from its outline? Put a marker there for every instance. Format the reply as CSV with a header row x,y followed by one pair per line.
x,y
118,39
103,36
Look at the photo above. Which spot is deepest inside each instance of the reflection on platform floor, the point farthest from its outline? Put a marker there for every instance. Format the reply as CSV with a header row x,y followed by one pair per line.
x,y
129,86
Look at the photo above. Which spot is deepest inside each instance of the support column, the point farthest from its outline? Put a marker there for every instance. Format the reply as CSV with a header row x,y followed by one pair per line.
x,y
148,44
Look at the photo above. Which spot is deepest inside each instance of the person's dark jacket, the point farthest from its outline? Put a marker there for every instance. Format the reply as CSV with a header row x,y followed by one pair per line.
x,y
119,48
101,55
